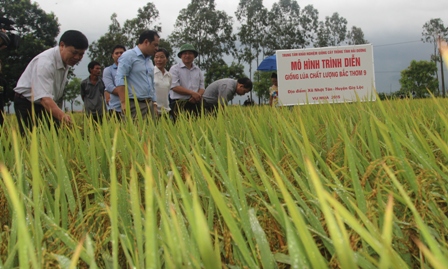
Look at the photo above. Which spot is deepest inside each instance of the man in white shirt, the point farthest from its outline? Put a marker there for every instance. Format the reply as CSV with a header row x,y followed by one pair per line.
x,y
41,86
187,86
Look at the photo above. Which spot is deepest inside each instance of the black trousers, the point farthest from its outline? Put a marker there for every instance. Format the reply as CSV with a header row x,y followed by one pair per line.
x,y
2,117
96,117
112,113
2,105
29,114
179,106
210,109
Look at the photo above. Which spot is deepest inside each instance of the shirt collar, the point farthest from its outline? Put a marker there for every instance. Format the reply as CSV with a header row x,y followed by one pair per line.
x,y
137,51
114,66
182,65
157,70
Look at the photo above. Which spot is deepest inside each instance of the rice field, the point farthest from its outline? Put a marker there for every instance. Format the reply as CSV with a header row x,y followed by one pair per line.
x,y
360,185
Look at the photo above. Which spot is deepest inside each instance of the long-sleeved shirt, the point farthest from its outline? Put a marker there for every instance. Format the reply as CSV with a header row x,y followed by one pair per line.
x,y
109,81
139,73
220,91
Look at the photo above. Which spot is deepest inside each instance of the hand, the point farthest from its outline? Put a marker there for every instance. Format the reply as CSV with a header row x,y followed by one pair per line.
x,y
66,120
155,112
123,108
194,101
196,97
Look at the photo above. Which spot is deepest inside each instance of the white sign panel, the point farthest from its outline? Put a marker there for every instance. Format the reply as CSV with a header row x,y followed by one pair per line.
x,y
321,75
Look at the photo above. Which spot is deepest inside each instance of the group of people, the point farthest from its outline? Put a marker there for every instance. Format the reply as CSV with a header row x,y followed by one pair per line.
x,y
151,89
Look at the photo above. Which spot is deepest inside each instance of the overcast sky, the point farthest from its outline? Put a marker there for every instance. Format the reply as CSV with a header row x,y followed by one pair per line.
x,y
393,27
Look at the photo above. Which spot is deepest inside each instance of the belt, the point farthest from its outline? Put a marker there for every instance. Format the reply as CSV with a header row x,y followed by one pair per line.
x,y
19,95
142,99
177,100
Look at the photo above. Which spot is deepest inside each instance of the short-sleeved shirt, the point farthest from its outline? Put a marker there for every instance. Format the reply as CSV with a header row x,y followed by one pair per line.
x,y
45,76
222,91
191,79
109,82
162,82
93,96
139,73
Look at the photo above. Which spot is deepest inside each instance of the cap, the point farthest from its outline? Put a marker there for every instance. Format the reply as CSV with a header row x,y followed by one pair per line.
x,y
187,47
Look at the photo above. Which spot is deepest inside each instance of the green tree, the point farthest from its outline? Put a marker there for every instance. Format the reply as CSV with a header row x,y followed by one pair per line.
x,y
252,16
432,31
38,31
356,36
72,91
309,20
206,28
419,77
146,19
220,69
261,86
332,32
289,27
100,50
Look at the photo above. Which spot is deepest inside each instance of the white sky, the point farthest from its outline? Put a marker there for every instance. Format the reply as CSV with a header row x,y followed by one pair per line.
x,y
384,22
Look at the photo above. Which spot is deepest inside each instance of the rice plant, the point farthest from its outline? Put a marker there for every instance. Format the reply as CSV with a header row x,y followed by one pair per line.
x,y
317,186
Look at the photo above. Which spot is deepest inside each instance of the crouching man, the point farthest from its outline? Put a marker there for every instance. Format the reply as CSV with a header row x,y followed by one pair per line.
x,y
223,90
40,89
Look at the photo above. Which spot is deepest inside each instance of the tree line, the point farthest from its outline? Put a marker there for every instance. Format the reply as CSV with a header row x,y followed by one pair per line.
x,y
253,33
256,32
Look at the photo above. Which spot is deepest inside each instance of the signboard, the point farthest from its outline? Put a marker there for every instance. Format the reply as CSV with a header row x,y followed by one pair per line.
x,y
321,75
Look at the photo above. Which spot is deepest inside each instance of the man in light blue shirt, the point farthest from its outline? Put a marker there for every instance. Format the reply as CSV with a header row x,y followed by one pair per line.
x,y
135,68
109,81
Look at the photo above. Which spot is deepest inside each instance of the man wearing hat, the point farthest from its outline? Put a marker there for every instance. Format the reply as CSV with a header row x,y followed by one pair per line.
x,y
187,86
